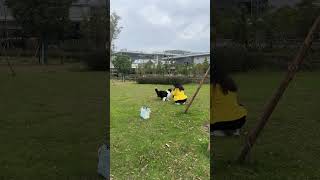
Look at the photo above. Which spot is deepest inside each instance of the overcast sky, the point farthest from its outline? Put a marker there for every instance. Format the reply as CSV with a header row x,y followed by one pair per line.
x,y
157,25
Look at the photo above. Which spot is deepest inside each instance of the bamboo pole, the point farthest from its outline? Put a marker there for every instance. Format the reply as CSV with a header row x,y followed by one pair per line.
x,y
292,69
195,94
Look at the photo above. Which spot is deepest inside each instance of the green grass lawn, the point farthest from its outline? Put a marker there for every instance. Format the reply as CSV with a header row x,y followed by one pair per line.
x,y
51,123
169,145
289,146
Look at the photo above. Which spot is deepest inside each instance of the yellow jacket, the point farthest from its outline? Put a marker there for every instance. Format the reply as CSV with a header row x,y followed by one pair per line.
x,y
225,107
178,95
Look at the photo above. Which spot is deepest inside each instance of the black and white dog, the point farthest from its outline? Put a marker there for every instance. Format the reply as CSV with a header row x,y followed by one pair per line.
x,y
164,95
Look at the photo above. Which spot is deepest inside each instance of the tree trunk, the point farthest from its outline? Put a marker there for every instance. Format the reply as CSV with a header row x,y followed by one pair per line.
x,y
42,52
45,57
39,51
44,49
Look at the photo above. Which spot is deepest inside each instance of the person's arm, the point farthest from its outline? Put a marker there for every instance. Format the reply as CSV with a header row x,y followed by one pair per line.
x,y
174,92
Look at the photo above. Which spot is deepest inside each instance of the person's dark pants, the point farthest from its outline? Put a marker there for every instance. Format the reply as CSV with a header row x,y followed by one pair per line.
x,y
181,101
228,125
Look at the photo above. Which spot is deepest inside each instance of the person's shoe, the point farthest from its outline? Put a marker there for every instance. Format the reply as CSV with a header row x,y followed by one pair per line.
x,y
218,133
177,103
236,132
184,103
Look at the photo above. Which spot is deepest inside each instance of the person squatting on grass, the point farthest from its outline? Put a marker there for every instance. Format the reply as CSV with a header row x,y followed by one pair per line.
x,y
178,94
228,116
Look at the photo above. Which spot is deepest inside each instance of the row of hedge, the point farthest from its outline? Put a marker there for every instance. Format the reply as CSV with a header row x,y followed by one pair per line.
x,y
163,80
94,59
236,58
54,53
240,59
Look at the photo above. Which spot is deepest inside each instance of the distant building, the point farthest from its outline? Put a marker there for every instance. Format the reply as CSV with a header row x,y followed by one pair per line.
x,y
134,55
139,62
167,57
191,58
138,57
176,52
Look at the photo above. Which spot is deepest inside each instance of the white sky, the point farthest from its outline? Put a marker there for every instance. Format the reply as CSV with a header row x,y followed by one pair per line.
x,y
157,25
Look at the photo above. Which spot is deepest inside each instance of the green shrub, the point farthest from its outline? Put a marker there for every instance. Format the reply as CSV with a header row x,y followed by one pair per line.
x,y
96,60
256,61
239,59
163,80
231,58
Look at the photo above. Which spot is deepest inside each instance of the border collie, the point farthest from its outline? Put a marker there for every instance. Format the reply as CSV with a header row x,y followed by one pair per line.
x,y
164,95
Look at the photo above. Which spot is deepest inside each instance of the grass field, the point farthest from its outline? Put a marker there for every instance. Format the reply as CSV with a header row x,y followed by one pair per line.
x,y
289,146
169,145
51,123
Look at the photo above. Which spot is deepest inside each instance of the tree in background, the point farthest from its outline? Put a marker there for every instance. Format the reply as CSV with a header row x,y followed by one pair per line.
x,y
197,69
205,65
225,22
307,13
166,68
282,23
115,29
149,67
94,30
240,28
122,64
187,69
44,19
160,68
94,26
140,70
183,69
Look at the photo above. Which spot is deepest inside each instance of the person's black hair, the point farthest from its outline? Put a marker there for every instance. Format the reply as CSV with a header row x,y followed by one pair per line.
x,y
221,77
179,86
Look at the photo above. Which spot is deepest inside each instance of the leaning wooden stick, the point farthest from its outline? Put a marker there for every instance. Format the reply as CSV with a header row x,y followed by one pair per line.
x,y
195,94
293,68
